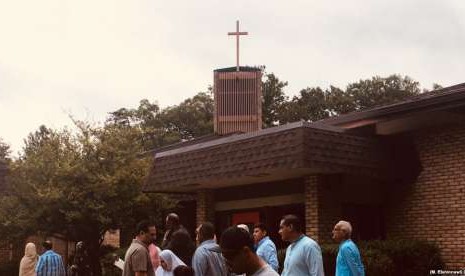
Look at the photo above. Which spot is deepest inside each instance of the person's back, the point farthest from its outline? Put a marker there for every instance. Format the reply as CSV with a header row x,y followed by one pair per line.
x,y
208,260
50,263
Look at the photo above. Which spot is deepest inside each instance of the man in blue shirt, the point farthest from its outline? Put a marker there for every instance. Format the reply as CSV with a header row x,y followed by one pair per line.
x,y
50,263
207,260
266,249
303,255
348,261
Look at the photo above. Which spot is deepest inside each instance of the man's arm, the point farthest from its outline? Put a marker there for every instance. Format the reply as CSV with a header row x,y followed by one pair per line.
x,y
40,266
314,261
271,256
61,267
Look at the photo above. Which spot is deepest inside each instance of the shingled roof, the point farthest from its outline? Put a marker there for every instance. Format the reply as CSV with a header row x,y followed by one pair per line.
x,y
286,151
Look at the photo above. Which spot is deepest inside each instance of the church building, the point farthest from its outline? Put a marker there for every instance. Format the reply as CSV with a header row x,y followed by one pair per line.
x,y
395,171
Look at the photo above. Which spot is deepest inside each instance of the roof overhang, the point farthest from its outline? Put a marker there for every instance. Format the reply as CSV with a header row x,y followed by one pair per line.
x,y
283,152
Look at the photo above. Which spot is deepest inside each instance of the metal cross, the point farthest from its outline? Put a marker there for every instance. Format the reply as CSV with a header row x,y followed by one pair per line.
x,y
237,34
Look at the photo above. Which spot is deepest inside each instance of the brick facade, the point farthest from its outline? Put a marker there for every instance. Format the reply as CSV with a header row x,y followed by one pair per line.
x,y
433,207
312,215
205,206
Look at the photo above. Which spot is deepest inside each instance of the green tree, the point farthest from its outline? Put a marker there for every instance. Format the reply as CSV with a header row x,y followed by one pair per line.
x,y
79,185
273,100
310,105
190,119
381,91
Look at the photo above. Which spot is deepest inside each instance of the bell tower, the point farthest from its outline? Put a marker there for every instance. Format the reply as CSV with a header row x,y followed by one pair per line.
x,y
238,96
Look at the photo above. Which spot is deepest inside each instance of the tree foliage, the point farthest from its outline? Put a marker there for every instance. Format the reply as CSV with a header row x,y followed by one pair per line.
x,y
79,185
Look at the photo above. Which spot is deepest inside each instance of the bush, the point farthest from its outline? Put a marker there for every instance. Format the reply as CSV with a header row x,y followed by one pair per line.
x,y
391,257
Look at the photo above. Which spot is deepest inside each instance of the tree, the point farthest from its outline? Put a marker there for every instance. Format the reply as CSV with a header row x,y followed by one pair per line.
x,y
190,119
381,91
310,105
273,100
79,185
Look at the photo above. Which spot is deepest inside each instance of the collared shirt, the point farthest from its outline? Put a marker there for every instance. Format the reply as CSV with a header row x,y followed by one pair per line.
x,y
348,261
208,260
303,257
266,249
137,259
50,264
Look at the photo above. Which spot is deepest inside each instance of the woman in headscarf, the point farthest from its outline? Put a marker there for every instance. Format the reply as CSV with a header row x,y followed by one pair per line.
x,y
29,261
168,262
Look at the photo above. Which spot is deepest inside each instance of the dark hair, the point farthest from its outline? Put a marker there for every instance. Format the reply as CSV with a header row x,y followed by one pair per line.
x,y
143,226
236,238
47,245
183,270
207,231
260,226
294,221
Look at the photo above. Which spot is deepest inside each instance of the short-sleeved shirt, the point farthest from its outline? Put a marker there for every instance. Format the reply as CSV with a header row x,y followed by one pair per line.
x,y
265,271
303,257
137,259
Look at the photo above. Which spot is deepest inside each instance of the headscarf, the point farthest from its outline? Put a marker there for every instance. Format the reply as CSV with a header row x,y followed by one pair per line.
x,y
29,261
172,262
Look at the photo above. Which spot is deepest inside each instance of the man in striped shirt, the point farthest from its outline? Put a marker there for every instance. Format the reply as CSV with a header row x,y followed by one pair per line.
x,y
50,263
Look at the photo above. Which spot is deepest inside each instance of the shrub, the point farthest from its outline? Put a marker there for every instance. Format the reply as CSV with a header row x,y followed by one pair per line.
x,y
391,257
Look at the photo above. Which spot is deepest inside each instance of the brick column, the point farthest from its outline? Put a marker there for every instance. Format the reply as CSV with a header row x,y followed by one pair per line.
x,y
205,207
312,219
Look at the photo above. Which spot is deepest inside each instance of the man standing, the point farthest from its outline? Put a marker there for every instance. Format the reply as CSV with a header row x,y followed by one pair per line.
x,y
348,261
266,249
172,225
303,255
178,240
50,263
207,260
137,259
237,249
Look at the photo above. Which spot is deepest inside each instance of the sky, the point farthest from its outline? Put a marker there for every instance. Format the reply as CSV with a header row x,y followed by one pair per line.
x,y
87,58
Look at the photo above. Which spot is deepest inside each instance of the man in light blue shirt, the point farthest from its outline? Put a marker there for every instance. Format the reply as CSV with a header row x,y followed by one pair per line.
x,y
207,260
303,255
50,263
266,249
348,261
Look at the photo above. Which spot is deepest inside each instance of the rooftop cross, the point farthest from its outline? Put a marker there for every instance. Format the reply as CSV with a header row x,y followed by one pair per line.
x,y
237,34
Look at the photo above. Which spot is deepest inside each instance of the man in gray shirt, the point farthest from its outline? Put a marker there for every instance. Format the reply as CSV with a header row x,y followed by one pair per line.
x,y
208,260
137,259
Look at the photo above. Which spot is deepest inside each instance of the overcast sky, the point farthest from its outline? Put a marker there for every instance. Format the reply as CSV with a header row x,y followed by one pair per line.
x,y
90,57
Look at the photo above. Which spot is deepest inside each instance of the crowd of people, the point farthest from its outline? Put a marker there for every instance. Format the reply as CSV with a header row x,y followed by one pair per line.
x,y
239,252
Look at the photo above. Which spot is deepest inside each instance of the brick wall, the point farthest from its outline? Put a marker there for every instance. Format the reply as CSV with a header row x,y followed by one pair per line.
x,y
312,214
205,207
6,253
433,207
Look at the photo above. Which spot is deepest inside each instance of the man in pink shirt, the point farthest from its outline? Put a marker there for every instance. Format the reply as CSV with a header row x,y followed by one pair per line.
x,y
154,252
